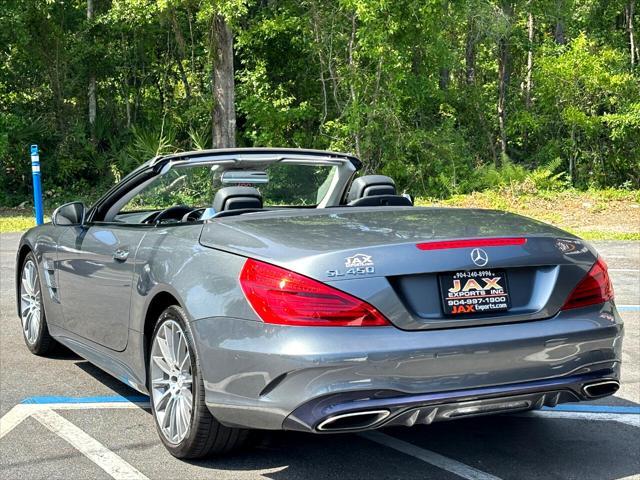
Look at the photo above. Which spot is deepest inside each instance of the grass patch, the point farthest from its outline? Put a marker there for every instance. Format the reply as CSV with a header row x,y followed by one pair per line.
x,y
604,235
608,214
17,220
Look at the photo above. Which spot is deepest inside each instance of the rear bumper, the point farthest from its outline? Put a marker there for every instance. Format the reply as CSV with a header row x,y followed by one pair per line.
x,y
274,377
365,410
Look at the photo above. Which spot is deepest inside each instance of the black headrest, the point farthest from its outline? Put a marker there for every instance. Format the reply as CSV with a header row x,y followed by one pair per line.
x,y
233,198
382,201
371,185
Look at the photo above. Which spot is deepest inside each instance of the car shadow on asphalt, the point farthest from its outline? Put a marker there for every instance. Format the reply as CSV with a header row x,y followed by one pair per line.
x,y
280,455
509,447
106,379
60,352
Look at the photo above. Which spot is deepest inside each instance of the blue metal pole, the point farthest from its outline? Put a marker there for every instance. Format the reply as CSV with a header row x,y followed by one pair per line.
x,y
37,186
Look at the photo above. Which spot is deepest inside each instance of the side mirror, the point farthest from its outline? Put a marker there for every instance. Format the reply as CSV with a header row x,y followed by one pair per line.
x,y
69,214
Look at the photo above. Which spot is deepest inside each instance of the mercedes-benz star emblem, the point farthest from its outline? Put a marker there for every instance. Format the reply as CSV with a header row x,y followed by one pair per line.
x,y
479,257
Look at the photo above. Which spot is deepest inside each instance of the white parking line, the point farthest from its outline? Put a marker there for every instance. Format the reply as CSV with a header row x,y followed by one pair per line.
x,y
433,458
13,418
104,458
629,419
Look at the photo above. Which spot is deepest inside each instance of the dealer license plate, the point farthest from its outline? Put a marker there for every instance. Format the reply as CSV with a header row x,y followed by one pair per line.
x,y
474,292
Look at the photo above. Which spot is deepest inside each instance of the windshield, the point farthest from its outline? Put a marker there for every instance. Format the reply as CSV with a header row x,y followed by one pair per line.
x,y
292,185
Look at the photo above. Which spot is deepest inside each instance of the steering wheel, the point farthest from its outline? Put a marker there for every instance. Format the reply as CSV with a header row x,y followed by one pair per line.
x,y
172,213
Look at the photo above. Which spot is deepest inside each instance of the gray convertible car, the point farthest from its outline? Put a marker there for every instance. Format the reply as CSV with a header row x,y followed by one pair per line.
x,y
252,289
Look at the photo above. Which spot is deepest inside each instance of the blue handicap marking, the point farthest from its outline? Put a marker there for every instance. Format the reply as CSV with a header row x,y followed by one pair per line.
x,y
43,400
567,407
589,408
628,308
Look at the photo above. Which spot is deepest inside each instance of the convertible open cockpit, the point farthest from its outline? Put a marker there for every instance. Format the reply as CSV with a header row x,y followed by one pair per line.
x,y
197,187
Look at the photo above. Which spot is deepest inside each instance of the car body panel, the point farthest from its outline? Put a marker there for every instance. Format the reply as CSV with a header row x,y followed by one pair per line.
x,y
321,244
43,242
303,233
90,278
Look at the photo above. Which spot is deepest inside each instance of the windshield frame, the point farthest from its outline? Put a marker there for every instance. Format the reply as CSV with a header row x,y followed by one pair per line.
x,y
342,175
346,167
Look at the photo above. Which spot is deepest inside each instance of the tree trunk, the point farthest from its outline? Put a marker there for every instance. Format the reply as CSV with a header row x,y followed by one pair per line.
x,y
180,53
127,104
183,77
630,10
352,90
91,92
470,56
558,34
572,156
92,100
504,75
444,78
444,70
224,112
528,83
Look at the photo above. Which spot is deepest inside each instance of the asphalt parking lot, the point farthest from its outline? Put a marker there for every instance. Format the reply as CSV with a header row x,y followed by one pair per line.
x,y
63,418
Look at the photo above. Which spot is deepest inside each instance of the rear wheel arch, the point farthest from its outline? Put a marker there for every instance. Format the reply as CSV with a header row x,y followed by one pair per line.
x,y
158,304
205,435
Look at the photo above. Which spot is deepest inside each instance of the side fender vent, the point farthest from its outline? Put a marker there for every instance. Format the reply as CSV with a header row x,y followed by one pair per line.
x,y
50,280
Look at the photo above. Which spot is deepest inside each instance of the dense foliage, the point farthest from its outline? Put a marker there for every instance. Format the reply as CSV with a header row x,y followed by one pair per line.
x,y
446,96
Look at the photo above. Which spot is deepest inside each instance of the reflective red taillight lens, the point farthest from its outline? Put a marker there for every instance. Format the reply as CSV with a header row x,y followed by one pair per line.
x,y
284,297
593,289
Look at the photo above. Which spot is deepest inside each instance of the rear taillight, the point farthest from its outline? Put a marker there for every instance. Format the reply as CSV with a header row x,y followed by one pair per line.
x,y
284,297
593,289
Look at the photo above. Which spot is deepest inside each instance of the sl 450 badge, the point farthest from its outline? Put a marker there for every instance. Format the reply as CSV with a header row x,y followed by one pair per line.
x,y
358,264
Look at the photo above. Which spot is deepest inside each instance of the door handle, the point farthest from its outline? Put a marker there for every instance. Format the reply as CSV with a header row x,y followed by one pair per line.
x,y
121,254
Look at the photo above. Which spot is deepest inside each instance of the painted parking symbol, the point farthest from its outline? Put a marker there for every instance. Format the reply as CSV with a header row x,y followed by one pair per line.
x,y
46,414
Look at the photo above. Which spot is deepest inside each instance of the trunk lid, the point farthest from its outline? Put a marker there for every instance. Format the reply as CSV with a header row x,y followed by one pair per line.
x,y
373,254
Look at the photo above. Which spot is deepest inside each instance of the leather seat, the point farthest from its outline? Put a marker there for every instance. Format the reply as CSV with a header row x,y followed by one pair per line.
x,y
375,190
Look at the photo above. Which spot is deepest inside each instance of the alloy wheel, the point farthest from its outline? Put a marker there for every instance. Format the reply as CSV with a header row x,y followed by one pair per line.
x,y
30,303
172,381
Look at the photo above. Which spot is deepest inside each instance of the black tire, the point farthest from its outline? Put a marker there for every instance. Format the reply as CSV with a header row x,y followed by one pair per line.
x,y
42,343
206,436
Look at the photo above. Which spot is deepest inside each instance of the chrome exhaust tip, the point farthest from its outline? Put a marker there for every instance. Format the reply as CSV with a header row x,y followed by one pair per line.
x,y
601,389
353,421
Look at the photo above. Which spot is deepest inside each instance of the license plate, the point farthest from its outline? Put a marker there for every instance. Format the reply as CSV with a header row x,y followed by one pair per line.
x,y
474,292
